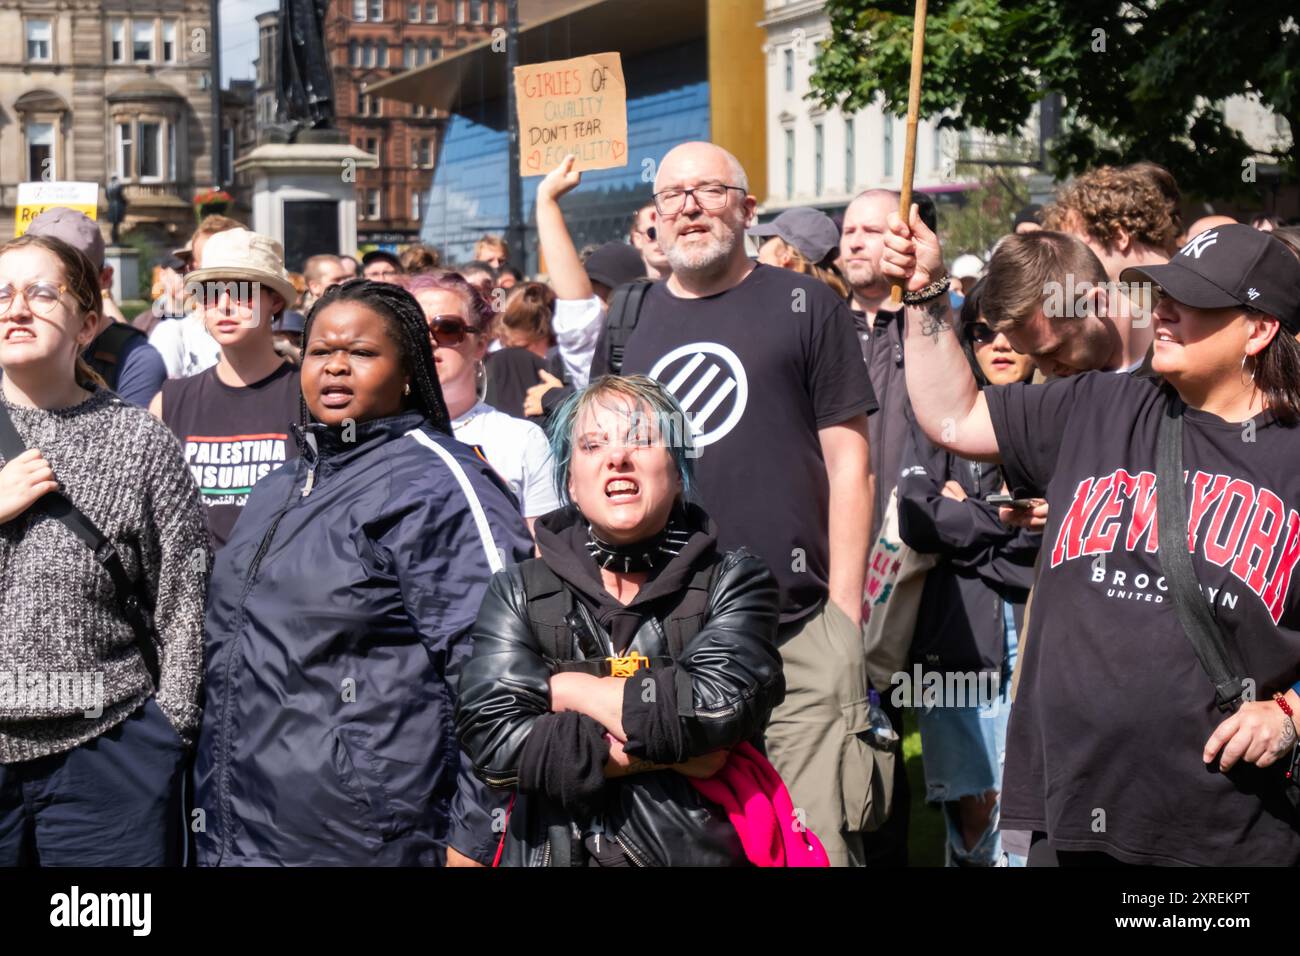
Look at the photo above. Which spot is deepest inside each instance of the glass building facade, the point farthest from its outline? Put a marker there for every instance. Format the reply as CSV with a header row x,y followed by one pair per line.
x,y
668,103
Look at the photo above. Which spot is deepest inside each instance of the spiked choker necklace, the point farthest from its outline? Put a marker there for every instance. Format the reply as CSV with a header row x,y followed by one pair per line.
x,y
641,555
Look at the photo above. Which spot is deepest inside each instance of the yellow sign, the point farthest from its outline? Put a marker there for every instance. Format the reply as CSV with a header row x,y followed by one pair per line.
x,y
574,106
35,198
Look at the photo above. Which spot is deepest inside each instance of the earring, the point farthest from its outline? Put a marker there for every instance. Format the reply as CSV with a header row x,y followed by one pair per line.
x,y
406,389
1243,367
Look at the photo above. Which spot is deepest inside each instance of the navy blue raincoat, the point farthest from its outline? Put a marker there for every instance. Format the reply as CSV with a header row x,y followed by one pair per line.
x,y
338,616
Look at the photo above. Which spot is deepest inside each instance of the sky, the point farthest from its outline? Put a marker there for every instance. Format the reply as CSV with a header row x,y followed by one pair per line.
x,y
239,37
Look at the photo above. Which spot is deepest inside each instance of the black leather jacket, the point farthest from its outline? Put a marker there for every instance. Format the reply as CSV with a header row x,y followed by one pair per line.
x,y
719,692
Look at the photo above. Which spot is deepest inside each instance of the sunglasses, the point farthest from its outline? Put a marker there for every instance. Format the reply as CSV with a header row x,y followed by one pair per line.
x,y
448,331
978,333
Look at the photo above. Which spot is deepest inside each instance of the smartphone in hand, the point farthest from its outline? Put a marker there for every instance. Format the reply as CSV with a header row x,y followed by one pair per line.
x,y
1006,501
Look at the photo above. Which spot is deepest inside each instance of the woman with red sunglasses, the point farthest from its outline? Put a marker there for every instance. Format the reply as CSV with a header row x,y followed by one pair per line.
x,y
458,320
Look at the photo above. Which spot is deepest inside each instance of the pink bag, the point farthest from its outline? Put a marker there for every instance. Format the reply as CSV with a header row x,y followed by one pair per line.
x,y
752,794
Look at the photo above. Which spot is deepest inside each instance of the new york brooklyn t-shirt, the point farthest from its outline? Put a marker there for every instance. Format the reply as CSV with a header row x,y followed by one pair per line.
x,y
1113,710
232,436
759,369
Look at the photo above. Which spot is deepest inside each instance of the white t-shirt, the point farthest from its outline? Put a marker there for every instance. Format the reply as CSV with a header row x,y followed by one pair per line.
x,y
185,346
519,453
577,324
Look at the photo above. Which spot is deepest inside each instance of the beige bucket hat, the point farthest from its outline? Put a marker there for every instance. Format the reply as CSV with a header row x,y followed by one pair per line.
x,y
248,256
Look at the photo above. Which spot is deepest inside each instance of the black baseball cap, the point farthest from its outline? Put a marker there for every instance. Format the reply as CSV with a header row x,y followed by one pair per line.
x,y
1226,266
614,264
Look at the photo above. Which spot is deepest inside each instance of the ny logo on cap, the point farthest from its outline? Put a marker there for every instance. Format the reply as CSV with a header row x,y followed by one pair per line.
x,y
1202,242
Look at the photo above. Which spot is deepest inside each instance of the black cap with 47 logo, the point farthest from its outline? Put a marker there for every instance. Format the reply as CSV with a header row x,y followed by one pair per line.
x,y
1233,265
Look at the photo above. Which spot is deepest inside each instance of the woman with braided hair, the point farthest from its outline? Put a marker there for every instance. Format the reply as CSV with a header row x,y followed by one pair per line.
x,y
340,610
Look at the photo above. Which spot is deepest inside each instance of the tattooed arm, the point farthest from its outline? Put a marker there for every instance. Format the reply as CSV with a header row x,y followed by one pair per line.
x,y
945,398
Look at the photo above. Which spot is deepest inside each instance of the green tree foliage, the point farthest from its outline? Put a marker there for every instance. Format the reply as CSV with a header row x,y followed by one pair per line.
x,y
1141,80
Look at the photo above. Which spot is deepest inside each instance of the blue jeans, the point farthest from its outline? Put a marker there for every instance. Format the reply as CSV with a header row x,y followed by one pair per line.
x,y
962,750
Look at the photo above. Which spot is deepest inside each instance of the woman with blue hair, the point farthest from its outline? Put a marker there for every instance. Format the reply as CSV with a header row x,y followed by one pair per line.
x,y
629,657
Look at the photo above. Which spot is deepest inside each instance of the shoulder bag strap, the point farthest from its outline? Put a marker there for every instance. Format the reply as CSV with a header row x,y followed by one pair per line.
x,y
1171,517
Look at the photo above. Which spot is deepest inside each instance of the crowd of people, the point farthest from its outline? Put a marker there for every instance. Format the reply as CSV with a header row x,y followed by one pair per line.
x,y
642,561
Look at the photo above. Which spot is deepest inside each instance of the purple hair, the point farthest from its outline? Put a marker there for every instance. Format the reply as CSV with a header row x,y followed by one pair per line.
x,y
454,282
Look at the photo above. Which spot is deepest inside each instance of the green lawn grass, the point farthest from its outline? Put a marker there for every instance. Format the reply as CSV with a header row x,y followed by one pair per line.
x,y
925,832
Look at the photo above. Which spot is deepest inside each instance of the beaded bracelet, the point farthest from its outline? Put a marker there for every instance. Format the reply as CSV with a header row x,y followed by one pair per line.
x,y
1286,708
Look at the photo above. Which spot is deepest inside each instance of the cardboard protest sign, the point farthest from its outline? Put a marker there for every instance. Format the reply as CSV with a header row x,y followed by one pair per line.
x,y
35,198
574,106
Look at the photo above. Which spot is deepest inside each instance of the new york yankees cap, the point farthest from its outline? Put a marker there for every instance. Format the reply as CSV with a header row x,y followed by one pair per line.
x,y
1227,266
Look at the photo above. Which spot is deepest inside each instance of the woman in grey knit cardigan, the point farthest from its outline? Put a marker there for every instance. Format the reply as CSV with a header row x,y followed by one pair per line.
x,y
91,756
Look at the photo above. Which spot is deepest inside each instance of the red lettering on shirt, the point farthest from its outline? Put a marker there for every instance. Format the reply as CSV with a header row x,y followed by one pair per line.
x,y
1144,521
1102,538
1069,540
1261,539
1275,593
1221,553
1202,498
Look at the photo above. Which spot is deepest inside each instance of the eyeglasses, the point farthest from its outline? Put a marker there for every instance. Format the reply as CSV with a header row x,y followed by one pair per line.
x,y
978,333
41,297
448,331
670,202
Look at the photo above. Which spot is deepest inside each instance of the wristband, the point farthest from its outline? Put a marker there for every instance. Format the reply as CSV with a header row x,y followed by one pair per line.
x,y
927,293
1286,708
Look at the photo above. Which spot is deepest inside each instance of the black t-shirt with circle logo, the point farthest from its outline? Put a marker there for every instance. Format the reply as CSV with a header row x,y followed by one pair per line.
x,y
232,436
1113,708
758,370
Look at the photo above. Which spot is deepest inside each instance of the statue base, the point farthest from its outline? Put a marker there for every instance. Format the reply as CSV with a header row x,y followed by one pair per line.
x,y
305,195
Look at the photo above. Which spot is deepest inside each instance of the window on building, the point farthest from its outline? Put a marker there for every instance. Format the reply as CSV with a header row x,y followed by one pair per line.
x,y
496,12
887,142
424,156
789,163
421,54
125,152
476,11
40,41
383,53
40,150
376,9
408,54
460,11
819,159
142,42
150,151
850,159
370,52
431,12
372,146
169,41
374,207
117,41
171,155
354,52
435,50
359,10
413,13
415,204
789,69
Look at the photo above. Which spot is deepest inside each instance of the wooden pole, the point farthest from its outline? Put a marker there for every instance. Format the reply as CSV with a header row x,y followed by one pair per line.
x,y
913,113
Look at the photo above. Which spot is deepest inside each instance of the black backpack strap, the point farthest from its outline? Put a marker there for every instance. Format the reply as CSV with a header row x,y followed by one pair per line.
x,y
687,618
104,354
132,600
549,605
1171,517
624,312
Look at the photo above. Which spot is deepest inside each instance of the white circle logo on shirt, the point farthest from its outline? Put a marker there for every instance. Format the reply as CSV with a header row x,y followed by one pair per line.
x,y
709,383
